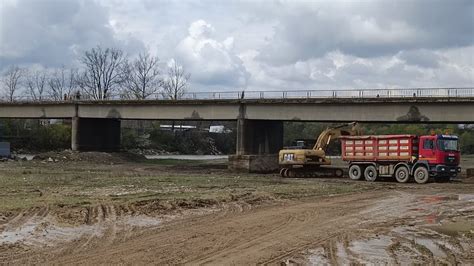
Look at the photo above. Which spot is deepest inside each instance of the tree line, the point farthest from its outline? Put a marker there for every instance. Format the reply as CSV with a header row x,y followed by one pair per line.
x,y
104,73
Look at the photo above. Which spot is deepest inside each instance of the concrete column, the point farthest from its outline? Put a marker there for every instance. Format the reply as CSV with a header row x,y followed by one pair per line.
x,y
257,146
240,142
95,134
259,136
75,133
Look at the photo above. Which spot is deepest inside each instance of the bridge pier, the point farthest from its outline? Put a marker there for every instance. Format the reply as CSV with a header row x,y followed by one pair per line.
x,y
257,145
95,134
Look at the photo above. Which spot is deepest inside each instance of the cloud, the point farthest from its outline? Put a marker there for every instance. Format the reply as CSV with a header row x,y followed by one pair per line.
x,y
259,45
211,62
337,70
367,29
422,58
54,32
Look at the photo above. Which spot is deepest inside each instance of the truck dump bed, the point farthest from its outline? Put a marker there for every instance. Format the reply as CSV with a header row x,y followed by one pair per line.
x,y
379,147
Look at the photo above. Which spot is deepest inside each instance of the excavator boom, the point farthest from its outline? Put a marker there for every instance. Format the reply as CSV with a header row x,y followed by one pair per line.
x,y
332,133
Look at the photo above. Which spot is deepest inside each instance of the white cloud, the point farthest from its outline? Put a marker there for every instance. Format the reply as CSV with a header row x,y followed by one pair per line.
x,y
211,62
257,44
52,32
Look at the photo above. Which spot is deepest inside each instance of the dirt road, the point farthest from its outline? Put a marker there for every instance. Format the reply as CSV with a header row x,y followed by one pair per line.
x,y
422,224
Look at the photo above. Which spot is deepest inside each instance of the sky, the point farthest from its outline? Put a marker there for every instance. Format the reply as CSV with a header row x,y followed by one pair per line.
x,y
256,45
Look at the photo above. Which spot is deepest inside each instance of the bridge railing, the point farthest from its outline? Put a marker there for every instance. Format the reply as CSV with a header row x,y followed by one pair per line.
x,y
365,93
288,94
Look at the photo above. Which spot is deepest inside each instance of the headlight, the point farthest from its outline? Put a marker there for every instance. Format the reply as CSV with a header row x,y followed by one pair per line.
x,y
443,169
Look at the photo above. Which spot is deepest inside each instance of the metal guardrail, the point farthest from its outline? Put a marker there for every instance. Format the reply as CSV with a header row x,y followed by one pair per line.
x,y
291,94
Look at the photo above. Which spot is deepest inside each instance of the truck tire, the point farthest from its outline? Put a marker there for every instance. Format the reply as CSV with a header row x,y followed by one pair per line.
x,y
402,174
355,172
370,173
338,172
421,175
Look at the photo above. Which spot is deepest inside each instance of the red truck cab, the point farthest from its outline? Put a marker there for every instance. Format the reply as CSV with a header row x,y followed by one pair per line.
x,y
441,154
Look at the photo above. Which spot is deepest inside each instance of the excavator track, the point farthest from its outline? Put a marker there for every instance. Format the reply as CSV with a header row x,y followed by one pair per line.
x,y
311,173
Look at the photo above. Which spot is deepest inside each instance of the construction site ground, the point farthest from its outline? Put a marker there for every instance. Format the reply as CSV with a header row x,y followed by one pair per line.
x,y
120,211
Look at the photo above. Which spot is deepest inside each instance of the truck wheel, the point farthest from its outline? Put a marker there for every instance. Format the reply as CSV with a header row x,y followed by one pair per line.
x,y
402,174
338,173
355,173
421,175
370,173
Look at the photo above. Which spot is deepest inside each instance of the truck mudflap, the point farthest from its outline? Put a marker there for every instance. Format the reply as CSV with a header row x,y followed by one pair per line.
x,y
445,170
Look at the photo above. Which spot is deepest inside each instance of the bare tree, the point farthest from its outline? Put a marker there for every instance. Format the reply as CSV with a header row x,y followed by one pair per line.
x,y
141,77
36,84
11,81
101,73
175,84
62,83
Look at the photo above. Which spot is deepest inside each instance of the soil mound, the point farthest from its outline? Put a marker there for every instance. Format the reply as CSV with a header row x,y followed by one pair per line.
x,y
92,157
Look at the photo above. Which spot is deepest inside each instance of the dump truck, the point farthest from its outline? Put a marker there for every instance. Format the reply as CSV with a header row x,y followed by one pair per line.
x,y
401,156
300,161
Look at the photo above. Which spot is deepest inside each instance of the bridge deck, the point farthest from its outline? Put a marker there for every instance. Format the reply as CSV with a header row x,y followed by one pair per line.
x,y
406,109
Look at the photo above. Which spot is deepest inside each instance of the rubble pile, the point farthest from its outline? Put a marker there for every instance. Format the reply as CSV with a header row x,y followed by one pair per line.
x,y
92,157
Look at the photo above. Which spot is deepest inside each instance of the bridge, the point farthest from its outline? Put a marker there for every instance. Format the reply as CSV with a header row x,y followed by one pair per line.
x,y
259,115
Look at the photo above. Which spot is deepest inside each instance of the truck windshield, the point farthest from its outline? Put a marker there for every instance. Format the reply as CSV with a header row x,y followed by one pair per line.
x,y
448,144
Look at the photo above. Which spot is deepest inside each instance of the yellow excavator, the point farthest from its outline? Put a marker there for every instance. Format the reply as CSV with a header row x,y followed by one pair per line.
x,y
297,161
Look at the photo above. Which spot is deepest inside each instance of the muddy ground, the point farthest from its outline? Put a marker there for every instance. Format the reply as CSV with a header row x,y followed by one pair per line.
x,y
196,212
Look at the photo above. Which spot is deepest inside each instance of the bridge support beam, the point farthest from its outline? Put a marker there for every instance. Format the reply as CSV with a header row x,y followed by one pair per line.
x,y
95,134
258,143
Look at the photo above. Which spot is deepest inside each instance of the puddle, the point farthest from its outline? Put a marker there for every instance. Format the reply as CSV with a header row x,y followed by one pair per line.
x,y
428,230
342,256
455,228
141,221
432,246
10,237
372,250
402,245
318,257
466,197
44,231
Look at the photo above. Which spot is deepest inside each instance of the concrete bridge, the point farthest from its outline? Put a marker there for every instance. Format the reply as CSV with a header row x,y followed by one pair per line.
x,y
96,124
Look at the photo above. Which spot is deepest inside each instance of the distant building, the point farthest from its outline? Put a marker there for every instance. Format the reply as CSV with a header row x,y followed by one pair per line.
x,y
219,129
177,127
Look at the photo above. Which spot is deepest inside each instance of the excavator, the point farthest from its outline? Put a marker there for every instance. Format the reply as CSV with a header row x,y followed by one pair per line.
x,y
296,161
